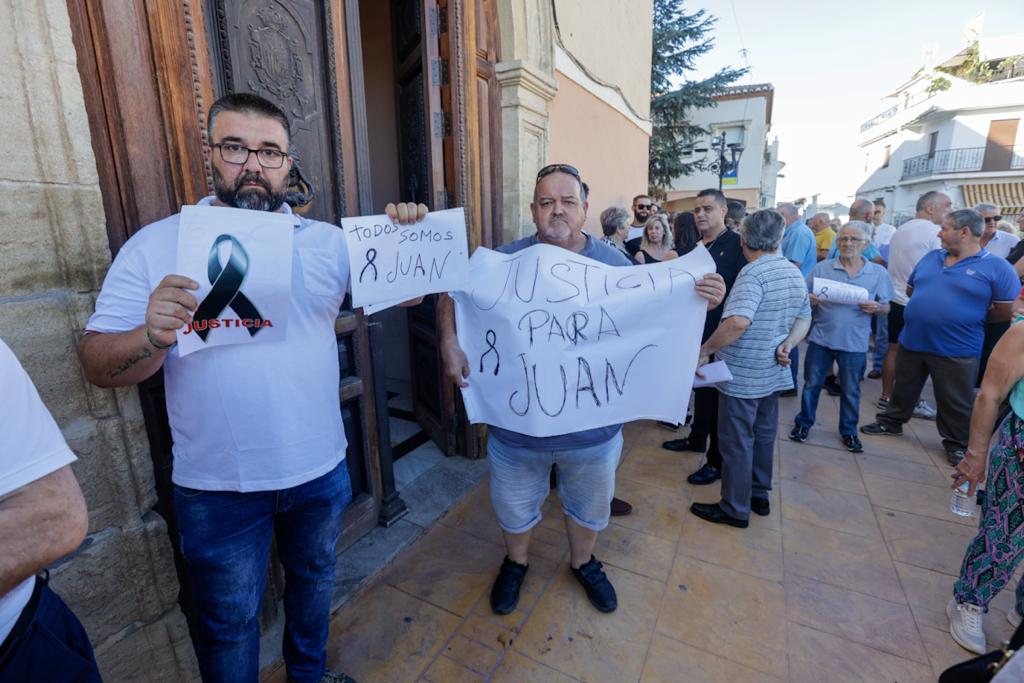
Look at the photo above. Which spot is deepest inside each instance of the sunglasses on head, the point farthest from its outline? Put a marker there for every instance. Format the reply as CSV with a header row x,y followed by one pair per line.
x,y
993,219
559,168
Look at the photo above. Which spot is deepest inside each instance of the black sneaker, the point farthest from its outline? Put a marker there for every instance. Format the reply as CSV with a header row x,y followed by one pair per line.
x,y
760,506
799,434
336,677
877,428
674,426
505,593
679,445
831,386
707,474
852,443
599,589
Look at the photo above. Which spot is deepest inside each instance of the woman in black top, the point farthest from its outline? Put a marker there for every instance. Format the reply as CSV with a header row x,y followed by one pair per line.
x,y
656,244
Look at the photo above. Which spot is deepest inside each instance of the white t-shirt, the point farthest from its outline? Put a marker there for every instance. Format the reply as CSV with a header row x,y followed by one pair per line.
x,y
883,234
254,417
909,243
31,447
635,232
1001,243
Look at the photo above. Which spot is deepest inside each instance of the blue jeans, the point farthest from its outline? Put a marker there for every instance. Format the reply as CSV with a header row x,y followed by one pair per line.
x,y
794,365
881,341
817,365
225,540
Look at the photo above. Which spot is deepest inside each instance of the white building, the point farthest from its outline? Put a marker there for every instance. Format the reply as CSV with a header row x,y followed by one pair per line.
x,y
743,114
945,133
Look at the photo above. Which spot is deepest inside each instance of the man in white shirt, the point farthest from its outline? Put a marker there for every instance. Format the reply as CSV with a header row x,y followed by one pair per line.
x,y
643,208
909,243
883,231
259,446
42,518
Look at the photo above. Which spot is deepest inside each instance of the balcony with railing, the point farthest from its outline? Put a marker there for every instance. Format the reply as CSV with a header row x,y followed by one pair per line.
x,y
963,160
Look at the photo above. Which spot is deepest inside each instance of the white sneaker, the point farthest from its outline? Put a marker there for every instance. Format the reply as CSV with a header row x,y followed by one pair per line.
x,y
965,625
924,410
1013,616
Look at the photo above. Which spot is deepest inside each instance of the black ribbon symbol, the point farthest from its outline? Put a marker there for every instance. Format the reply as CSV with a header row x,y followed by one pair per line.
x,y
227,283
371,256
491,340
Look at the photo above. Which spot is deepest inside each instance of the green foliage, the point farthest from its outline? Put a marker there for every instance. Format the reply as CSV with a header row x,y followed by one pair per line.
x,y
976,70
938,84
679,38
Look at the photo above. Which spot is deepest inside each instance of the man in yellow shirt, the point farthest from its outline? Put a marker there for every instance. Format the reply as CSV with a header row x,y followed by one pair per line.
x,y
823,234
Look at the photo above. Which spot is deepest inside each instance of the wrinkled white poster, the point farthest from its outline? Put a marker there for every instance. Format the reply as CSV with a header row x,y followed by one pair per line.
x,y
558,343
393,263
242,261
839,292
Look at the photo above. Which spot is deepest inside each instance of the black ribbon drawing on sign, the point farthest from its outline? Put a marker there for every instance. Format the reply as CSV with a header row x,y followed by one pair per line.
x,y
227,284
491,340
371,256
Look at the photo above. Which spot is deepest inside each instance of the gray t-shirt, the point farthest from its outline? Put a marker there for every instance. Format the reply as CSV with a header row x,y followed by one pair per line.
x,y
772,294
593,249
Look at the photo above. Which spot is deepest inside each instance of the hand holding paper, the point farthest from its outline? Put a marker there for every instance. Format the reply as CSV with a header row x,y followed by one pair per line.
x,y
711,374
835,292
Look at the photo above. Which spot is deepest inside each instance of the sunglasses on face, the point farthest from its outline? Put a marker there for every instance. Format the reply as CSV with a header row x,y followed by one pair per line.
x,y
993,219
644,207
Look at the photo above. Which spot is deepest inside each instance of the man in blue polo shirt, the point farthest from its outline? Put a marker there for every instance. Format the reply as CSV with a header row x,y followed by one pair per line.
x,y
953,292
801,249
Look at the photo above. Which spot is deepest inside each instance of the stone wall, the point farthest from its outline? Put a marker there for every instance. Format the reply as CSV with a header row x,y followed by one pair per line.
x,y
53,255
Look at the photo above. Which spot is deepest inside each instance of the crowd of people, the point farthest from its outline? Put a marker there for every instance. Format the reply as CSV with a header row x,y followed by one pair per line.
x,y
934,297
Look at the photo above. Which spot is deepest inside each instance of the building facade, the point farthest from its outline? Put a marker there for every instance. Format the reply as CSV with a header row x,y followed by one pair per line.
x,y
947,133
450,102
743,114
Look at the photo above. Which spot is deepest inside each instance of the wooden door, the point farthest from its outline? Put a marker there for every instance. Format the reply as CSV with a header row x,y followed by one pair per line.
x,y
999,145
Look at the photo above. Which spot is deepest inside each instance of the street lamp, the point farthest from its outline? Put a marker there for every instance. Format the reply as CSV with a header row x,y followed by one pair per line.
x,y
719,164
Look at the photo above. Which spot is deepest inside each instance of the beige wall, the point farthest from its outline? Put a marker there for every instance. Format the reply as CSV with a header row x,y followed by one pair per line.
x,y
612,41
685,200
53,255
609,150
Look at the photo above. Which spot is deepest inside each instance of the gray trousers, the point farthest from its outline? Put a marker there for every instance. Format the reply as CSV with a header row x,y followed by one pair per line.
x,y
746,438
953,382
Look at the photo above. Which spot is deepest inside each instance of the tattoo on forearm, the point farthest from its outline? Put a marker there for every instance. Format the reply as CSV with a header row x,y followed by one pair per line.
x,y
129,363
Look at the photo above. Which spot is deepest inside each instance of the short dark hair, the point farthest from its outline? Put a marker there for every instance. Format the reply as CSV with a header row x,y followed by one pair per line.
x,y
879,202
246,103
640,196
736,211
718,196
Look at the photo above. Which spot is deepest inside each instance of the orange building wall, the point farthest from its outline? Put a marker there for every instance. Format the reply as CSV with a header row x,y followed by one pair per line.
x,y
609,150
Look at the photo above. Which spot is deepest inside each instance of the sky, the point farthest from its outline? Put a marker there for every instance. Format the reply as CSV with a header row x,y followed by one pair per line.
x,y
831,63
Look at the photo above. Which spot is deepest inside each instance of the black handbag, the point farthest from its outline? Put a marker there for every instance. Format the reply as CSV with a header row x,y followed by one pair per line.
x,y
983,668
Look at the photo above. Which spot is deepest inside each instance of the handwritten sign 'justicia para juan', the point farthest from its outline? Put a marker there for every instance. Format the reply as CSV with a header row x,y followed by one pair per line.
x,y
559,343
391,263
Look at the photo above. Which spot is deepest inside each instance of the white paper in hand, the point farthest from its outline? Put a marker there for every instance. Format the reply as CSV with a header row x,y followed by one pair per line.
x,y
242,261
393,263
839,292
711,374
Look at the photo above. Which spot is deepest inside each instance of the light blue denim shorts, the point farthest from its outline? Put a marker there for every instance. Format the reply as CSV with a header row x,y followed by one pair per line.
x,y
520,481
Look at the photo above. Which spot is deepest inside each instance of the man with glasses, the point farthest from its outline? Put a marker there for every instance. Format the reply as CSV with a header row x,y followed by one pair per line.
x,y
997,243
259,445
586,460
643,208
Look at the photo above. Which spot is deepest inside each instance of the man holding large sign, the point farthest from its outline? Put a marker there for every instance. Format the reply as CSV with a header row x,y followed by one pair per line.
x,y
520,464
259,446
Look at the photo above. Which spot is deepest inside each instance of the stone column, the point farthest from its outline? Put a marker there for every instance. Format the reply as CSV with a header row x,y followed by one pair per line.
x,y
525,93
121,583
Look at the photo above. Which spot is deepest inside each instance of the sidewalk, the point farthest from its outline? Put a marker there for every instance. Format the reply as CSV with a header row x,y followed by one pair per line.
x,y
846,580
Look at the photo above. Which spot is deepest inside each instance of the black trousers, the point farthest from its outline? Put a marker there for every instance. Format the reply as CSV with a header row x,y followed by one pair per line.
x,y
953,382
48,644
705,423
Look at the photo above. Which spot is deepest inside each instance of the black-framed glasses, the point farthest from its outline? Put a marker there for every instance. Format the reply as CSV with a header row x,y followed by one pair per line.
x,y
234,153
559,168
993,219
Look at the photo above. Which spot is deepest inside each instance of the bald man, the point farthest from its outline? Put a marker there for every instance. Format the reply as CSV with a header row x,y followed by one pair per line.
x,y
824,235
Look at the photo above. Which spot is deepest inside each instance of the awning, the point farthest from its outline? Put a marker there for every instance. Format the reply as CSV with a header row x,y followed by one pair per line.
x,y
1009,197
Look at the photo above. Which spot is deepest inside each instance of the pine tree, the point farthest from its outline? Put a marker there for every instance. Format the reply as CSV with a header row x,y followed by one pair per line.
x,y
679,39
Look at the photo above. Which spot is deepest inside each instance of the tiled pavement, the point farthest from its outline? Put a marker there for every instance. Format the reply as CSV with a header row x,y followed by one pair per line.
x,y
846,580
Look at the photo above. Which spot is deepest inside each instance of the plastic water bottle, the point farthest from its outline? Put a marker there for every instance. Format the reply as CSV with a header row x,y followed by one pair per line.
x,y
961,503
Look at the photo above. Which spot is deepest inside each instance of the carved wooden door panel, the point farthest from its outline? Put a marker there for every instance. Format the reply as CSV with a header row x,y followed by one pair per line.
x,y
425,175
282,51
